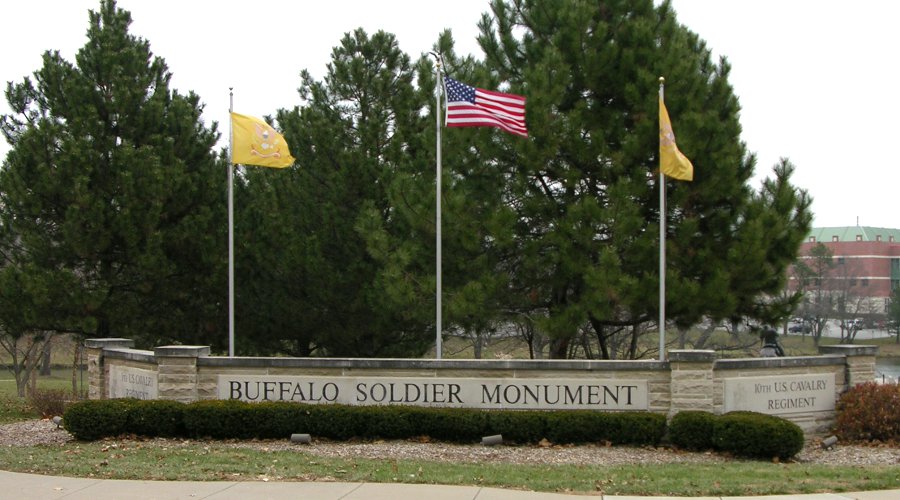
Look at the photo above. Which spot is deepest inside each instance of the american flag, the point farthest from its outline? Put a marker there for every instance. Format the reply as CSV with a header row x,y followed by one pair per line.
x,y
473,107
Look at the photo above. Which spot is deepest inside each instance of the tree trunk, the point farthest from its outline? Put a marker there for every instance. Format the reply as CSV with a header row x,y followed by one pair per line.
x,y
21,377
559,348
538,342
704,337
75,358
632,349
586,345
33,385
601,338
102,327
45,355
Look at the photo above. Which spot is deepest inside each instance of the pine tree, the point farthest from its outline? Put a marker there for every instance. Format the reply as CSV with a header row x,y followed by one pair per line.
x,y
308,281
112,197
475,219
584,187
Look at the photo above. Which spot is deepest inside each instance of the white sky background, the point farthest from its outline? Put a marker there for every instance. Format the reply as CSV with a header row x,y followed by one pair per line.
x,y
816,79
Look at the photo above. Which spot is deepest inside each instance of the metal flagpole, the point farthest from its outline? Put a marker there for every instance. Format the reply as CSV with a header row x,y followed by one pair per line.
x,y
438,327
230,225
662,249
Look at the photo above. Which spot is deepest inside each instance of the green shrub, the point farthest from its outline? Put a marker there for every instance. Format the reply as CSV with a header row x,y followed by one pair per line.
x,y
394,422
638,428
155,418
584,426
578,426
90,420
460,425
231,419
337,422
265,420
868,412
742,433
516,426
692,430
218,419
756,435
278,420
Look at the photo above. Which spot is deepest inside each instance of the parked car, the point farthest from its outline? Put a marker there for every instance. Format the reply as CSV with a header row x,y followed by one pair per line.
x,y
799,328
855,324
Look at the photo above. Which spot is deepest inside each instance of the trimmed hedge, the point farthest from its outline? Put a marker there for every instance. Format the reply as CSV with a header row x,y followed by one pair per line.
x,y
450,424
219,419
616,428
741,433
155,418
692,430
90,420
229,419
757,435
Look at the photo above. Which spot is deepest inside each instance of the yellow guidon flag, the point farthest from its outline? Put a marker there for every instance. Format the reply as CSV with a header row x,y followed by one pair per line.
x,y
255,142
671,161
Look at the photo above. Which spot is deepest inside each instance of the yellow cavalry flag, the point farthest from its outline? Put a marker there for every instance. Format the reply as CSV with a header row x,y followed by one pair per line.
x,y
671,161
255,142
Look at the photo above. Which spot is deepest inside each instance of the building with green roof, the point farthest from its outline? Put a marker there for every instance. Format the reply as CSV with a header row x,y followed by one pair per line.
x,y
854,233
866,263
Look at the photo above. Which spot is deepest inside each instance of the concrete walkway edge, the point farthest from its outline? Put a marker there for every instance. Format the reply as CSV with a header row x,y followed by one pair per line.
x,y
22,486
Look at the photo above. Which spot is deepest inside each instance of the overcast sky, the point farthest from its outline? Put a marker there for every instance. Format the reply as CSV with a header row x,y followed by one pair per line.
x,y
816,78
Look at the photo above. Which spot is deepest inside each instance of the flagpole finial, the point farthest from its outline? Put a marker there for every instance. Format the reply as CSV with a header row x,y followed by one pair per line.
x,y
662,80
438,59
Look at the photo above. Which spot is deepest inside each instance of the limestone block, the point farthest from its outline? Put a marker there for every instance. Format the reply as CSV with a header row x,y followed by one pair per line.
x,y
691,405
177,370
689,387
177,362
693,375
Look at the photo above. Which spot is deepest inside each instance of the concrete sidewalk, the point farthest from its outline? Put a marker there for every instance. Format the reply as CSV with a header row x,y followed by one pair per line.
x,y
14,485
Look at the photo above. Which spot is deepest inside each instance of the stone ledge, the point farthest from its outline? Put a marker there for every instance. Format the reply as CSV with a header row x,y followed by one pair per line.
x,y
691,356
182,351
108,343
786,362
849,350
431,364
131,355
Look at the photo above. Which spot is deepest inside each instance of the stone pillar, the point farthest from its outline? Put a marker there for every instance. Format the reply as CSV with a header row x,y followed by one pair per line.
x,y
178,374
860,361
692,380
98,372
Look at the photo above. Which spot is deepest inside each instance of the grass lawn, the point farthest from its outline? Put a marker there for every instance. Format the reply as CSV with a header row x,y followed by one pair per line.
x,y
211,461
14,409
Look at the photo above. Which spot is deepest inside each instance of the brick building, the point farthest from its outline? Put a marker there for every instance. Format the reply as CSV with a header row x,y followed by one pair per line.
x,y
866,261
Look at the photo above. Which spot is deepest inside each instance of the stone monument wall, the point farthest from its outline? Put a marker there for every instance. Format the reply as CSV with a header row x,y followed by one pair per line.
x,y
804,390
